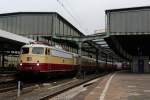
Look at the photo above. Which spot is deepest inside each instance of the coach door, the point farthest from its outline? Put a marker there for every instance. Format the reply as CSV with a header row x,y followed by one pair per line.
x,y
48,55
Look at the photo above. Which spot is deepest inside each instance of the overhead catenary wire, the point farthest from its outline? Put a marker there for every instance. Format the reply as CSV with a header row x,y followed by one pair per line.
x,y
74,18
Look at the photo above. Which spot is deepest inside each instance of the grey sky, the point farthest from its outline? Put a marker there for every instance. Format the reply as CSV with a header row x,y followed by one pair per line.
x,y
88,13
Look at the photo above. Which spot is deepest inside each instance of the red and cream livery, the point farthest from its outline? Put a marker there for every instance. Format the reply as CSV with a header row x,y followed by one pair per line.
x,y
43,58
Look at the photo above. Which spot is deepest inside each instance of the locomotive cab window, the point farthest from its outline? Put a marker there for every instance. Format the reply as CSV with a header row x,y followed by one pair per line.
x,y
37,50
24,50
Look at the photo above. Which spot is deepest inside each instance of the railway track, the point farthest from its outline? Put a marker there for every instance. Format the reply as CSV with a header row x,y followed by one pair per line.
x,y
4,78
7,87
7,82
9,90
67,86
45,90
11,85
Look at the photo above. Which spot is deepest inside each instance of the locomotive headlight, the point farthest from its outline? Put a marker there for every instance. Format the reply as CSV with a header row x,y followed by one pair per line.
x,y
37,64
21,63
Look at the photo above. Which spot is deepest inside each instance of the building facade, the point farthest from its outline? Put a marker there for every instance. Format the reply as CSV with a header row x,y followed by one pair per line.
x,y
39,26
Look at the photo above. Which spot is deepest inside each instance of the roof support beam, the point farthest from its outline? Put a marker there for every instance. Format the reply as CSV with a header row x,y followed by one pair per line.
x,y
83,39
120,49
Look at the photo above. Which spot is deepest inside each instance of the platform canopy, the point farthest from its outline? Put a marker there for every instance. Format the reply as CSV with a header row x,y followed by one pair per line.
x,y
129,31
11,41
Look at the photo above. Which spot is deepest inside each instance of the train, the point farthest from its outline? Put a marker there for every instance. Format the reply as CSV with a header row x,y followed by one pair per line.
x,y
43,58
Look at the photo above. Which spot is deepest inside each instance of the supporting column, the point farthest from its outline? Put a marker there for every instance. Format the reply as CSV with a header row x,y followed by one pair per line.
x,y
79,73
140,65
3,56
0,60
97,57
106,62
146,65
112,61
3,59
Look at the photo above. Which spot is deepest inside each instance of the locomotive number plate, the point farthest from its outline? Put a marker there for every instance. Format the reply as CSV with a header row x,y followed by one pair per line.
x,y
29,58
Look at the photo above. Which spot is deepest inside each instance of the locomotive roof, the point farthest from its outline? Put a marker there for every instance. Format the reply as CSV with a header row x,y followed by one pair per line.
x,y
36,45
45,46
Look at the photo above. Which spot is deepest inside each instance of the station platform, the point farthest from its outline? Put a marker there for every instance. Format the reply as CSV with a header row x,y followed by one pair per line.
x,y
118,86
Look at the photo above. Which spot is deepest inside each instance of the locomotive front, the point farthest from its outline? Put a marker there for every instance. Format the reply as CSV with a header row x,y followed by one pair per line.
x,y
32,59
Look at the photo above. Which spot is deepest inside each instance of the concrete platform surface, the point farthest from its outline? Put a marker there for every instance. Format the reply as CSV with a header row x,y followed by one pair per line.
x,y
118,86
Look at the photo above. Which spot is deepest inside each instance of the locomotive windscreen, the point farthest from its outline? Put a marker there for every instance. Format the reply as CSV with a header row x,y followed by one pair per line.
x,y
37,50
24,50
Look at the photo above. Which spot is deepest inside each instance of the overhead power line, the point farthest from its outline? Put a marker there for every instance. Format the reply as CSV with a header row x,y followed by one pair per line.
x,y
74,18
67,10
